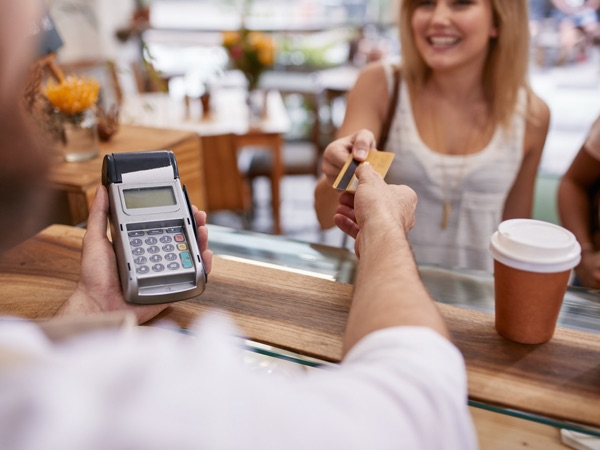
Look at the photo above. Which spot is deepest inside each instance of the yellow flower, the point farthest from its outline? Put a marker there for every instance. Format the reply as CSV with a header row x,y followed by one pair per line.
x,y
73,95
252,52
266,56
254,38
230,38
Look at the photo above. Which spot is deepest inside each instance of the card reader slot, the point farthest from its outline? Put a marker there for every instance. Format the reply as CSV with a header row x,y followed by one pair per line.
x,y
167,279
165,289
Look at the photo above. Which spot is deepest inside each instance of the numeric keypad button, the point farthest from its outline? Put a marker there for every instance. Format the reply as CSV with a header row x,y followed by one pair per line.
x,y
158,267
186,260
135,242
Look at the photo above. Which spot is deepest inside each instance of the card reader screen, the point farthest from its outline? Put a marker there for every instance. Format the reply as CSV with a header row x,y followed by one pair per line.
x,y
149,197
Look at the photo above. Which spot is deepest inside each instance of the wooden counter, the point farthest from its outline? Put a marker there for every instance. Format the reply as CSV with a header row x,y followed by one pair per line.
x,y
76,182
559,379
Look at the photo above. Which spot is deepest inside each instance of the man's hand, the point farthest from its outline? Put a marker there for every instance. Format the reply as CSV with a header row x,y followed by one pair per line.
x,y
376,203
99,289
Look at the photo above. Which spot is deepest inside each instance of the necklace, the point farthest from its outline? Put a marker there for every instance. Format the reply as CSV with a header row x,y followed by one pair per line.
x,y
450,191
449,194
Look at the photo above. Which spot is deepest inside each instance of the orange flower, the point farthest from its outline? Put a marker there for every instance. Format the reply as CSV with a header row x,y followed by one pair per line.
x,y
73,95
230,38
252,52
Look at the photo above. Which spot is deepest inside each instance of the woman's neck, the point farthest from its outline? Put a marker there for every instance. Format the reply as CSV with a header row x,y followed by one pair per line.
x,y
452,114
456,88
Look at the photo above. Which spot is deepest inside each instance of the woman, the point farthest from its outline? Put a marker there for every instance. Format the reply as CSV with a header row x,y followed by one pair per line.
x,y
578,200
467,130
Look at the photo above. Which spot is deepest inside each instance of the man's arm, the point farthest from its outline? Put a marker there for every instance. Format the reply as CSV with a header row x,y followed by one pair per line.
x,y
388,291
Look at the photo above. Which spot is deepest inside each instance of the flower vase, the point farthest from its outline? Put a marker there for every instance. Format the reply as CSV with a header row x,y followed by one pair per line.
x,y
256,100
80,138
205,100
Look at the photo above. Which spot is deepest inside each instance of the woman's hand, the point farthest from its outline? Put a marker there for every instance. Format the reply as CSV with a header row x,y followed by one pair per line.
x,y
99,289
336,153
588,270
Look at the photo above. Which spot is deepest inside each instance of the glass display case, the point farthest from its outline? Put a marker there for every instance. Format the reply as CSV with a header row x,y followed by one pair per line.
x,y
462,288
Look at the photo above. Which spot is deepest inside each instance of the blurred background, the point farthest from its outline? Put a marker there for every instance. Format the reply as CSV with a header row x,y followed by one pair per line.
x,y
178,48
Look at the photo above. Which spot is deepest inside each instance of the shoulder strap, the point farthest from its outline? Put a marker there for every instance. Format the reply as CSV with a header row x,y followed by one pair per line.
x,y
385,129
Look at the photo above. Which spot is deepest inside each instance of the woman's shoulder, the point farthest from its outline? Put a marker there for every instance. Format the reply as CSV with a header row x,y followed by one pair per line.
x,y
373,82
375,71
538,111
377,79
537,123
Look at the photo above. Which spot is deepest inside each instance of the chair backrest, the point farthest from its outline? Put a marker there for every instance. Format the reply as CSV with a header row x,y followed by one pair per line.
x,y
225,188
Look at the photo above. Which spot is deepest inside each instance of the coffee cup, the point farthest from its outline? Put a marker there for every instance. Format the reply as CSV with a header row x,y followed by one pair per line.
x,y
532,265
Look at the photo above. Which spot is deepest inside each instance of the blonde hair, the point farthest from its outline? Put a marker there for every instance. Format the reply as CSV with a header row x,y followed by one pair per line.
x,y
505,71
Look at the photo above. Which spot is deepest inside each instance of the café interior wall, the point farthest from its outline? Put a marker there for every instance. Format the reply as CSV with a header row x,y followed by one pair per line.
x,y
87,27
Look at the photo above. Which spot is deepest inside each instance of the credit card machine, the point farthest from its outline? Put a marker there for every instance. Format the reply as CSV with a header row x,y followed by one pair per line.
x,y
153,229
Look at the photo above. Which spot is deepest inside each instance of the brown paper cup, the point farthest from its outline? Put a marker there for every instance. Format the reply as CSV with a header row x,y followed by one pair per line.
x,y
528,303
532,264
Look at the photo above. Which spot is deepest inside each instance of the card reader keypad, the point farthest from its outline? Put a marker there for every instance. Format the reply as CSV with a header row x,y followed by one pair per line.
x,y
160,250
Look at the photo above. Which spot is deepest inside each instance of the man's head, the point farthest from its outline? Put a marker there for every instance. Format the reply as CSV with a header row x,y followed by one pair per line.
x,y
23,159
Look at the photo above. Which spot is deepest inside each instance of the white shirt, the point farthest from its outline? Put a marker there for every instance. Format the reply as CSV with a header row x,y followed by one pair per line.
x,y
152,389
476,185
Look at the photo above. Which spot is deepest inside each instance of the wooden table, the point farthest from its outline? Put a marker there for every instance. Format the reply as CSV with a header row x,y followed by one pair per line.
x,y
307,315
224,132
76,182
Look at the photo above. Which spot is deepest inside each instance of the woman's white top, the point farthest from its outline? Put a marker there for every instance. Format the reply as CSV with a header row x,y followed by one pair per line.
x,y
485,179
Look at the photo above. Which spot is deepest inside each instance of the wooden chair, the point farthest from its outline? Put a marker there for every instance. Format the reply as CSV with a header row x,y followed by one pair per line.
x,y
255,162
225,188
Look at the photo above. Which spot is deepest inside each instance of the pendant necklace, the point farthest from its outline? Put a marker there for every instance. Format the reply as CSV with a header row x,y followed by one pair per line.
x,y
447,192
450,191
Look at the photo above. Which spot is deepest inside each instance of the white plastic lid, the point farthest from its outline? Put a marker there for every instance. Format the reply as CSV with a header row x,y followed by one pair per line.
x,y
535,246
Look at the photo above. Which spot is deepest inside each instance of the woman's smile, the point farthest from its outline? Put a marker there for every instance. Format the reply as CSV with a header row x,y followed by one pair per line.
x,y
450,34
443,41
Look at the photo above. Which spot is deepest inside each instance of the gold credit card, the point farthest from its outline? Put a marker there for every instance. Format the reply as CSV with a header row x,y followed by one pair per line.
x,y
347,181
